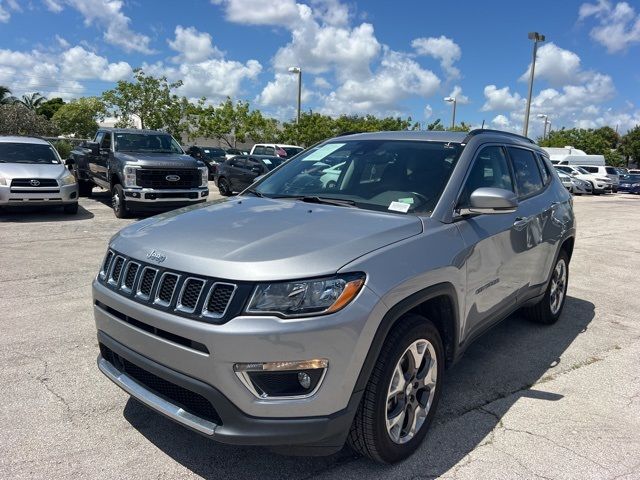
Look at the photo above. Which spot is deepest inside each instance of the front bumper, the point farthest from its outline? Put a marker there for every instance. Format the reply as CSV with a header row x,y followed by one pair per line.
x,y
61,195
343,338
326,434
153,196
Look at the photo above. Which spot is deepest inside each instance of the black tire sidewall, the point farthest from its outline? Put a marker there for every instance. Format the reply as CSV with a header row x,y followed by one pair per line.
x,y
416,327
547,296
122,211
224,187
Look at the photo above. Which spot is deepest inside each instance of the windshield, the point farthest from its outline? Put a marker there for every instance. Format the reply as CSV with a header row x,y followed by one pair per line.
x,y
291,151
630,178
27,153
213,152
382,175
145,142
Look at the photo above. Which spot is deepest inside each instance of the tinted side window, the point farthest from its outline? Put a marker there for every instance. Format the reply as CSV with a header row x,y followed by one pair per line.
x,y
543,169
258,151
99,137
106,141
528,178
490,170
591,169
269,151
611,171
566,170
237,162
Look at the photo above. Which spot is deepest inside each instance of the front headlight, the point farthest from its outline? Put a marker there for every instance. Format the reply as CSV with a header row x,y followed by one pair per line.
x,y
635,185
306,297
130,176
204,171
68,179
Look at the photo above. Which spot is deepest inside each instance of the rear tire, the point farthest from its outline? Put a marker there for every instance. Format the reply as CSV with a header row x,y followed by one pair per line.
x,y
118,203
224,187
383,428
548,310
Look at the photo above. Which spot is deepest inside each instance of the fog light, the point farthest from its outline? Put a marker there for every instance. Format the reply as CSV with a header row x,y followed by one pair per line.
x,y
282,379
304,379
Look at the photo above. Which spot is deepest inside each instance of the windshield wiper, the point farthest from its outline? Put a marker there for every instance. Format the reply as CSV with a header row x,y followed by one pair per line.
x,y
254,191
340,202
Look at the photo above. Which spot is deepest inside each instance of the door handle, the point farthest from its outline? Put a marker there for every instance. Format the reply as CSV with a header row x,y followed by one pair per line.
x,y
521,222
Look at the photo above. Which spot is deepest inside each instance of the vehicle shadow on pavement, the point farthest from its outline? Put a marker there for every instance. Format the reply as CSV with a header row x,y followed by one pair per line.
x,y
41,214
495,372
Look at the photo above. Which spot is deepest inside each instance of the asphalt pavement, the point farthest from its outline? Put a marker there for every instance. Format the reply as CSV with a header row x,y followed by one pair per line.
x,y
526,401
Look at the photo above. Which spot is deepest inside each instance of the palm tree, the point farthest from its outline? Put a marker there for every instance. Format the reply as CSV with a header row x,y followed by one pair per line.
x,y
5,96
32,101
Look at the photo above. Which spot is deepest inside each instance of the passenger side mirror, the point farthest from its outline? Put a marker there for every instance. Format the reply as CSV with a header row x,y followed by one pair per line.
x,y
491,201
574,173
94,147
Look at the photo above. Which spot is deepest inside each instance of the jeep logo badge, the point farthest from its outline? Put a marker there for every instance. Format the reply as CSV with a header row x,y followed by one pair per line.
x,y
172,178
34,182
156,256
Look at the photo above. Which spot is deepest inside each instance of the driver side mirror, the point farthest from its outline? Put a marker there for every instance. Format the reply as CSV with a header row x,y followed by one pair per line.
x,y
94,147
574,173
491,201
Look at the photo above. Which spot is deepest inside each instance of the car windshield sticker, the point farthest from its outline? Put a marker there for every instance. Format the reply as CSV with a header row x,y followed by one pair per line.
x,y
268,162
207,151
322,152
408,200
399,207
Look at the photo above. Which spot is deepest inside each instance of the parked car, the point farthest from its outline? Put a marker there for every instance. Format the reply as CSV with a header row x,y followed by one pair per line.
x,y
232,152
630,183
581,186
237,173
301,316
622,170
566,180
634,171
599,184
32,173
604,171
272,149
210,156
143,170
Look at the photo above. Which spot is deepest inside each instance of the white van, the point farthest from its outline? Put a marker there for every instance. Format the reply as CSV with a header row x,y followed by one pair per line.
x,y
273,149
572,156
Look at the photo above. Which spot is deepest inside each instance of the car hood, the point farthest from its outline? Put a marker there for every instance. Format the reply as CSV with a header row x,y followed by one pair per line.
x,y
254,239
159,160
31,170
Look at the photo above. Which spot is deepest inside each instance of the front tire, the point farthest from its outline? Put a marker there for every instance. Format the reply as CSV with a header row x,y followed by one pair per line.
x,y
548,310
224,187
118,203
402,394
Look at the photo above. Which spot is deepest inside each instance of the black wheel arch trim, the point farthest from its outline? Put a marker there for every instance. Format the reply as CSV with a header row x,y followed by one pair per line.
x,y
395,313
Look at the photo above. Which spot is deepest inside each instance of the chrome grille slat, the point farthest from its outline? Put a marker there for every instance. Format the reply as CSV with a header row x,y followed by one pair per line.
x,y
199,298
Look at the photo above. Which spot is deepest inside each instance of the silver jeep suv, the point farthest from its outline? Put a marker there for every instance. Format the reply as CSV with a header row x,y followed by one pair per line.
x,y
306,314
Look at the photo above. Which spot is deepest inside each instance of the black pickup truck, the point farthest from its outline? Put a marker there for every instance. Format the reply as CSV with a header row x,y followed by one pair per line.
x,y
143,170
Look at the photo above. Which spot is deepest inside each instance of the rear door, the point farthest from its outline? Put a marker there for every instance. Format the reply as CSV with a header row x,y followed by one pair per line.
x,y
236,171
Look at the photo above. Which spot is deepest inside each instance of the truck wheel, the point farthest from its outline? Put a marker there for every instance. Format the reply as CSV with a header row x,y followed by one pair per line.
x,y
548,310
71,209
118,202
400,400
224,187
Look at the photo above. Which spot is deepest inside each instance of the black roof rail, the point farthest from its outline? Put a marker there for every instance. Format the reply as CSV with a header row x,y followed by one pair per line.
x,y
478,131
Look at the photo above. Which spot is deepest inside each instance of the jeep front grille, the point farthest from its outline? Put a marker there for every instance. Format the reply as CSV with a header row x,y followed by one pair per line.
x,y
200,298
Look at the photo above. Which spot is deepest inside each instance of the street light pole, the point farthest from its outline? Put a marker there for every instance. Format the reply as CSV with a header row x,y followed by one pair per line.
x,y
536,37
453,118
546,121
298,71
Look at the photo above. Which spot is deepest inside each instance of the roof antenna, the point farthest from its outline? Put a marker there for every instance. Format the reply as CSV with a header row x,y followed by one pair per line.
x,y
482,127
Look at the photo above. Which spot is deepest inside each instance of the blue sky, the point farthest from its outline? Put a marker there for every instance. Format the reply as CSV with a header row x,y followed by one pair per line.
x,y
381,57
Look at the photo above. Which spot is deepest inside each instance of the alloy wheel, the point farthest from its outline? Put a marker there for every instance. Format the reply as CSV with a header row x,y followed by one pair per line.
x,y
411,391
558,286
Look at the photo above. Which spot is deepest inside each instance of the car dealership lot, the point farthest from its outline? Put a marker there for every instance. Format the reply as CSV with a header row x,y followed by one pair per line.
x,y
526,401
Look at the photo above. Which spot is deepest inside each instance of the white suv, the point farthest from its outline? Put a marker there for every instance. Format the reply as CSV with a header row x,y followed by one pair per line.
x,y
599,183
604,171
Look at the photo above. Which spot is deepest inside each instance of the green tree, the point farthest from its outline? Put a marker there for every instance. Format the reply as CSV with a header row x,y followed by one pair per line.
x,y
5,96
32,100
630,145
148,98
80,117
460,127
50,107
436,125
601,141
16,119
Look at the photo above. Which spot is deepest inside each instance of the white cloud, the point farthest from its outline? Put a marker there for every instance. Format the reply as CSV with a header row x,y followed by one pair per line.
x,y
618,25
457,94
556,65
108,15
501,99
5,12
192,45
321,82
259,12
282,91
428,111
441,48
57,74
5,16
501,122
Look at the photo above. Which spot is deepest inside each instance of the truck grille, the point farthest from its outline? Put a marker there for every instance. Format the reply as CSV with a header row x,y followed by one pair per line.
x,y
165,178
200,298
